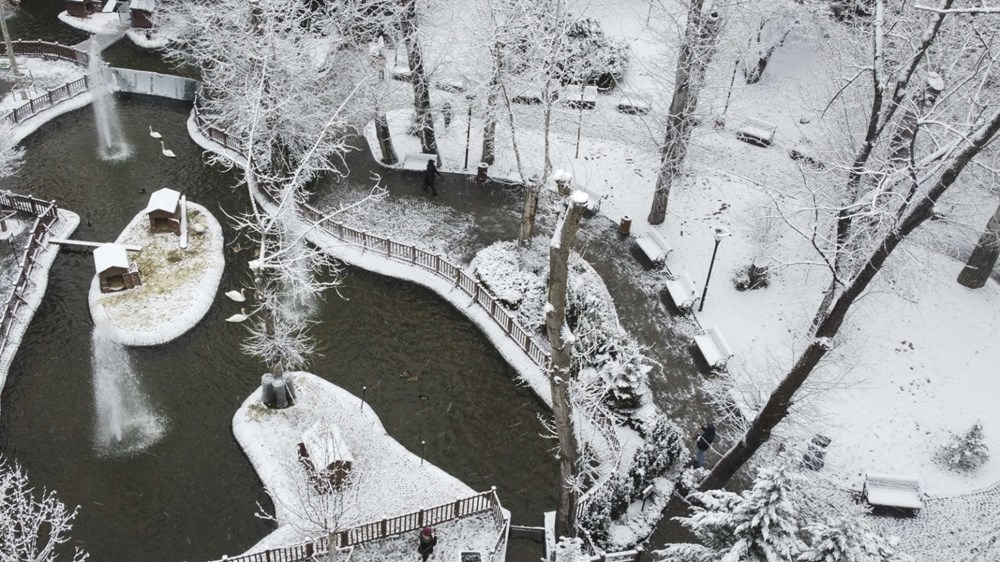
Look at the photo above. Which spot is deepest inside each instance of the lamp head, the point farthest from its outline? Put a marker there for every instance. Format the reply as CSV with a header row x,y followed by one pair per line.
x,y
720,232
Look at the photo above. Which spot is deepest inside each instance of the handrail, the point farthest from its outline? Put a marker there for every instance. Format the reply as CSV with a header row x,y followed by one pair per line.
x,y
46,213
51,97
411,255
377,530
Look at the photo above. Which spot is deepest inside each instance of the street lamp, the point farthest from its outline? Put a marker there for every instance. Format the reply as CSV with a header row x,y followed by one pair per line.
x,y
719,232
468,130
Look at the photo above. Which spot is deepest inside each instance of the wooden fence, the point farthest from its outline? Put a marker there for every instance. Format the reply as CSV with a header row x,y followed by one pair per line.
x,y
51,97
486,502
46,214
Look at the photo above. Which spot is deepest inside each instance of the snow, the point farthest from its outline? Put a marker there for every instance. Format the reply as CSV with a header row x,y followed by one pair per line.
x,y
147,38
98,23
44,74
389,480
68,221
108,256
165,199
178,286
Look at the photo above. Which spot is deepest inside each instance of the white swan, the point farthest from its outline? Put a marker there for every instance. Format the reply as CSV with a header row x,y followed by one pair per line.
x,y
166,152
238,317
154,134
236,295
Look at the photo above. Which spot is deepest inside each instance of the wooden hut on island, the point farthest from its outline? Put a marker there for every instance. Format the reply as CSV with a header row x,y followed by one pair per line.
x,y
164,211
142,13
114,270
325,455
79,8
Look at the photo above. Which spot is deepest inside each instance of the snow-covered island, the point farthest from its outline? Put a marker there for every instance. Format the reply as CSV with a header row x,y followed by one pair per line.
x,y
177,285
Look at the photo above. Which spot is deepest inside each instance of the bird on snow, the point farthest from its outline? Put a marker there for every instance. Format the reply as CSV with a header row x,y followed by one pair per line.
x,y
236,295
238,317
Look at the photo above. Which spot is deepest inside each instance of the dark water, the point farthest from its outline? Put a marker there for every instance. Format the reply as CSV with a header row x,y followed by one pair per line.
x,y
192,495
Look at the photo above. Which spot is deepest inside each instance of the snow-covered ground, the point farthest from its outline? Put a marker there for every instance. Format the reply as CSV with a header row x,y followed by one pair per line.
x,y
43,74
388,480
916,359
178,285
68,221
98,23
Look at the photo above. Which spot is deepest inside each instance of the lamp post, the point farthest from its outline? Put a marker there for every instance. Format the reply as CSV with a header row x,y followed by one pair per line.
x,y
468,131
719,232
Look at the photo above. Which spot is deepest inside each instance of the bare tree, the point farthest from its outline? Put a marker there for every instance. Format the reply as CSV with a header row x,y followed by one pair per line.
x,y
883,200
418,76
977,270
33,528
561,340
701,32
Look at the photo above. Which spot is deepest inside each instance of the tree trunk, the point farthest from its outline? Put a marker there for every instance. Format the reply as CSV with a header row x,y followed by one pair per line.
x,y
418,77
977,270
489,116
692,61
830,320
763,58
528,216
384,137
562,355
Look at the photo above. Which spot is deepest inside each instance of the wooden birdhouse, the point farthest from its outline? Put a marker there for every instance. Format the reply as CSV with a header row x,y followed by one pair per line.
x,y
326,457
164,211
114,270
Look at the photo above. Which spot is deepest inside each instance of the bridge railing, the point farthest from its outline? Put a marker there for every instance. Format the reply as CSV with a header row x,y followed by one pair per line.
x,y
46,214
485,502
47,49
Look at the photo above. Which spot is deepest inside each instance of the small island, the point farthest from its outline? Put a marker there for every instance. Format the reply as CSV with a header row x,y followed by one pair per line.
x,y
154,295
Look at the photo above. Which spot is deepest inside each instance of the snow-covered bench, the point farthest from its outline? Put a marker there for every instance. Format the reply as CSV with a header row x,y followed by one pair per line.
x,y
898,492
806,154
417,161
714,347
759,133
581,98
654,246
681,290
401,73
630,104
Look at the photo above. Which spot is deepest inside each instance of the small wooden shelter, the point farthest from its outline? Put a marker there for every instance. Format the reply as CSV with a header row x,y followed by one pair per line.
x,y
80,8
325,455
164,211
142,13
114,270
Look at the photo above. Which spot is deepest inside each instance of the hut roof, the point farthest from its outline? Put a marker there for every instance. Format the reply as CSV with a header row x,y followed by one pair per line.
x,y
325,445
165,199
110,255
147,5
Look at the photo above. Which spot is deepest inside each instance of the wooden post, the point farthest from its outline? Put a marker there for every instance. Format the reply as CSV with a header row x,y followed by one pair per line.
x,y
413,253
382,527
437,263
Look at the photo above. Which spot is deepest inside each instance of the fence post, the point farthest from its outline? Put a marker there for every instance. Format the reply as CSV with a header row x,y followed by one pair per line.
x,y
456,509
420,518
413,253
383,526
437,263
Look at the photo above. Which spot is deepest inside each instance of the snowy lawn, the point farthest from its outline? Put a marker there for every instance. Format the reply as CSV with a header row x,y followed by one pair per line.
x,y
45,74
96,23
388,479
178,285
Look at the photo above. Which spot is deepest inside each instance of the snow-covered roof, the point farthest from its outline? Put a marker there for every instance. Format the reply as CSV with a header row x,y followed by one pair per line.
x,y
110,255
165,199
325,445
148,5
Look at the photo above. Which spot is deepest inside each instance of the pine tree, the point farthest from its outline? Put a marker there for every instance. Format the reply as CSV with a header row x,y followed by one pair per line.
x,y
845,539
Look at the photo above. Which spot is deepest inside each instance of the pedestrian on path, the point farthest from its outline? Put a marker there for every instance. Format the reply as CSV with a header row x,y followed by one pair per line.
x,y
704,441
429,174
428,540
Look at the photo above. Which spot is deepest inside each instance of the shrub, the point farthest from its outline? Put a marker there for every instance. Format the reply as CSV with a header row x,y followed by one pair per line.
x,y
660,451
966,451
593,57
752,277
609,502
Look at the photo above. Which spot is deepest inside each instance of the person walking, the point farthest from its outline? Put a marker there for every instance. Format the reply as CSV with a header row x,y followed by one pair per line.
x,y
429,174
428,540
705,440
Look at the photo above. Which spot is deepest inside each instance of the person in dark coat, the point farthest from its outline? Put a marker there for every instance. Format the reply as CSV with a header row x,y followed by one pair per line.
x,y
429,175
705,440
428,540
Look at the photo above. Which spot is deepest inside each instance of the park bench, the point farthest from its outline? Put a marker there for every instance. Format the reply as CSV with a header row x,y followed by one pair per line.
x,y
581,97
417,161
451,85
681,290
755,132
654,246
806,154
630,104
898,492
401,73
714,348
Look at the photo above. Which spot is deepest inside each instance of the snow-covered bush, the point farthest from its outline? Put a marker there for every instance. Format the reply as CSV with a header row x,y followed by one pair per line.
x,y
592,56
608,502
965,451
570,550
501,269
751,277
661,450
33,526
